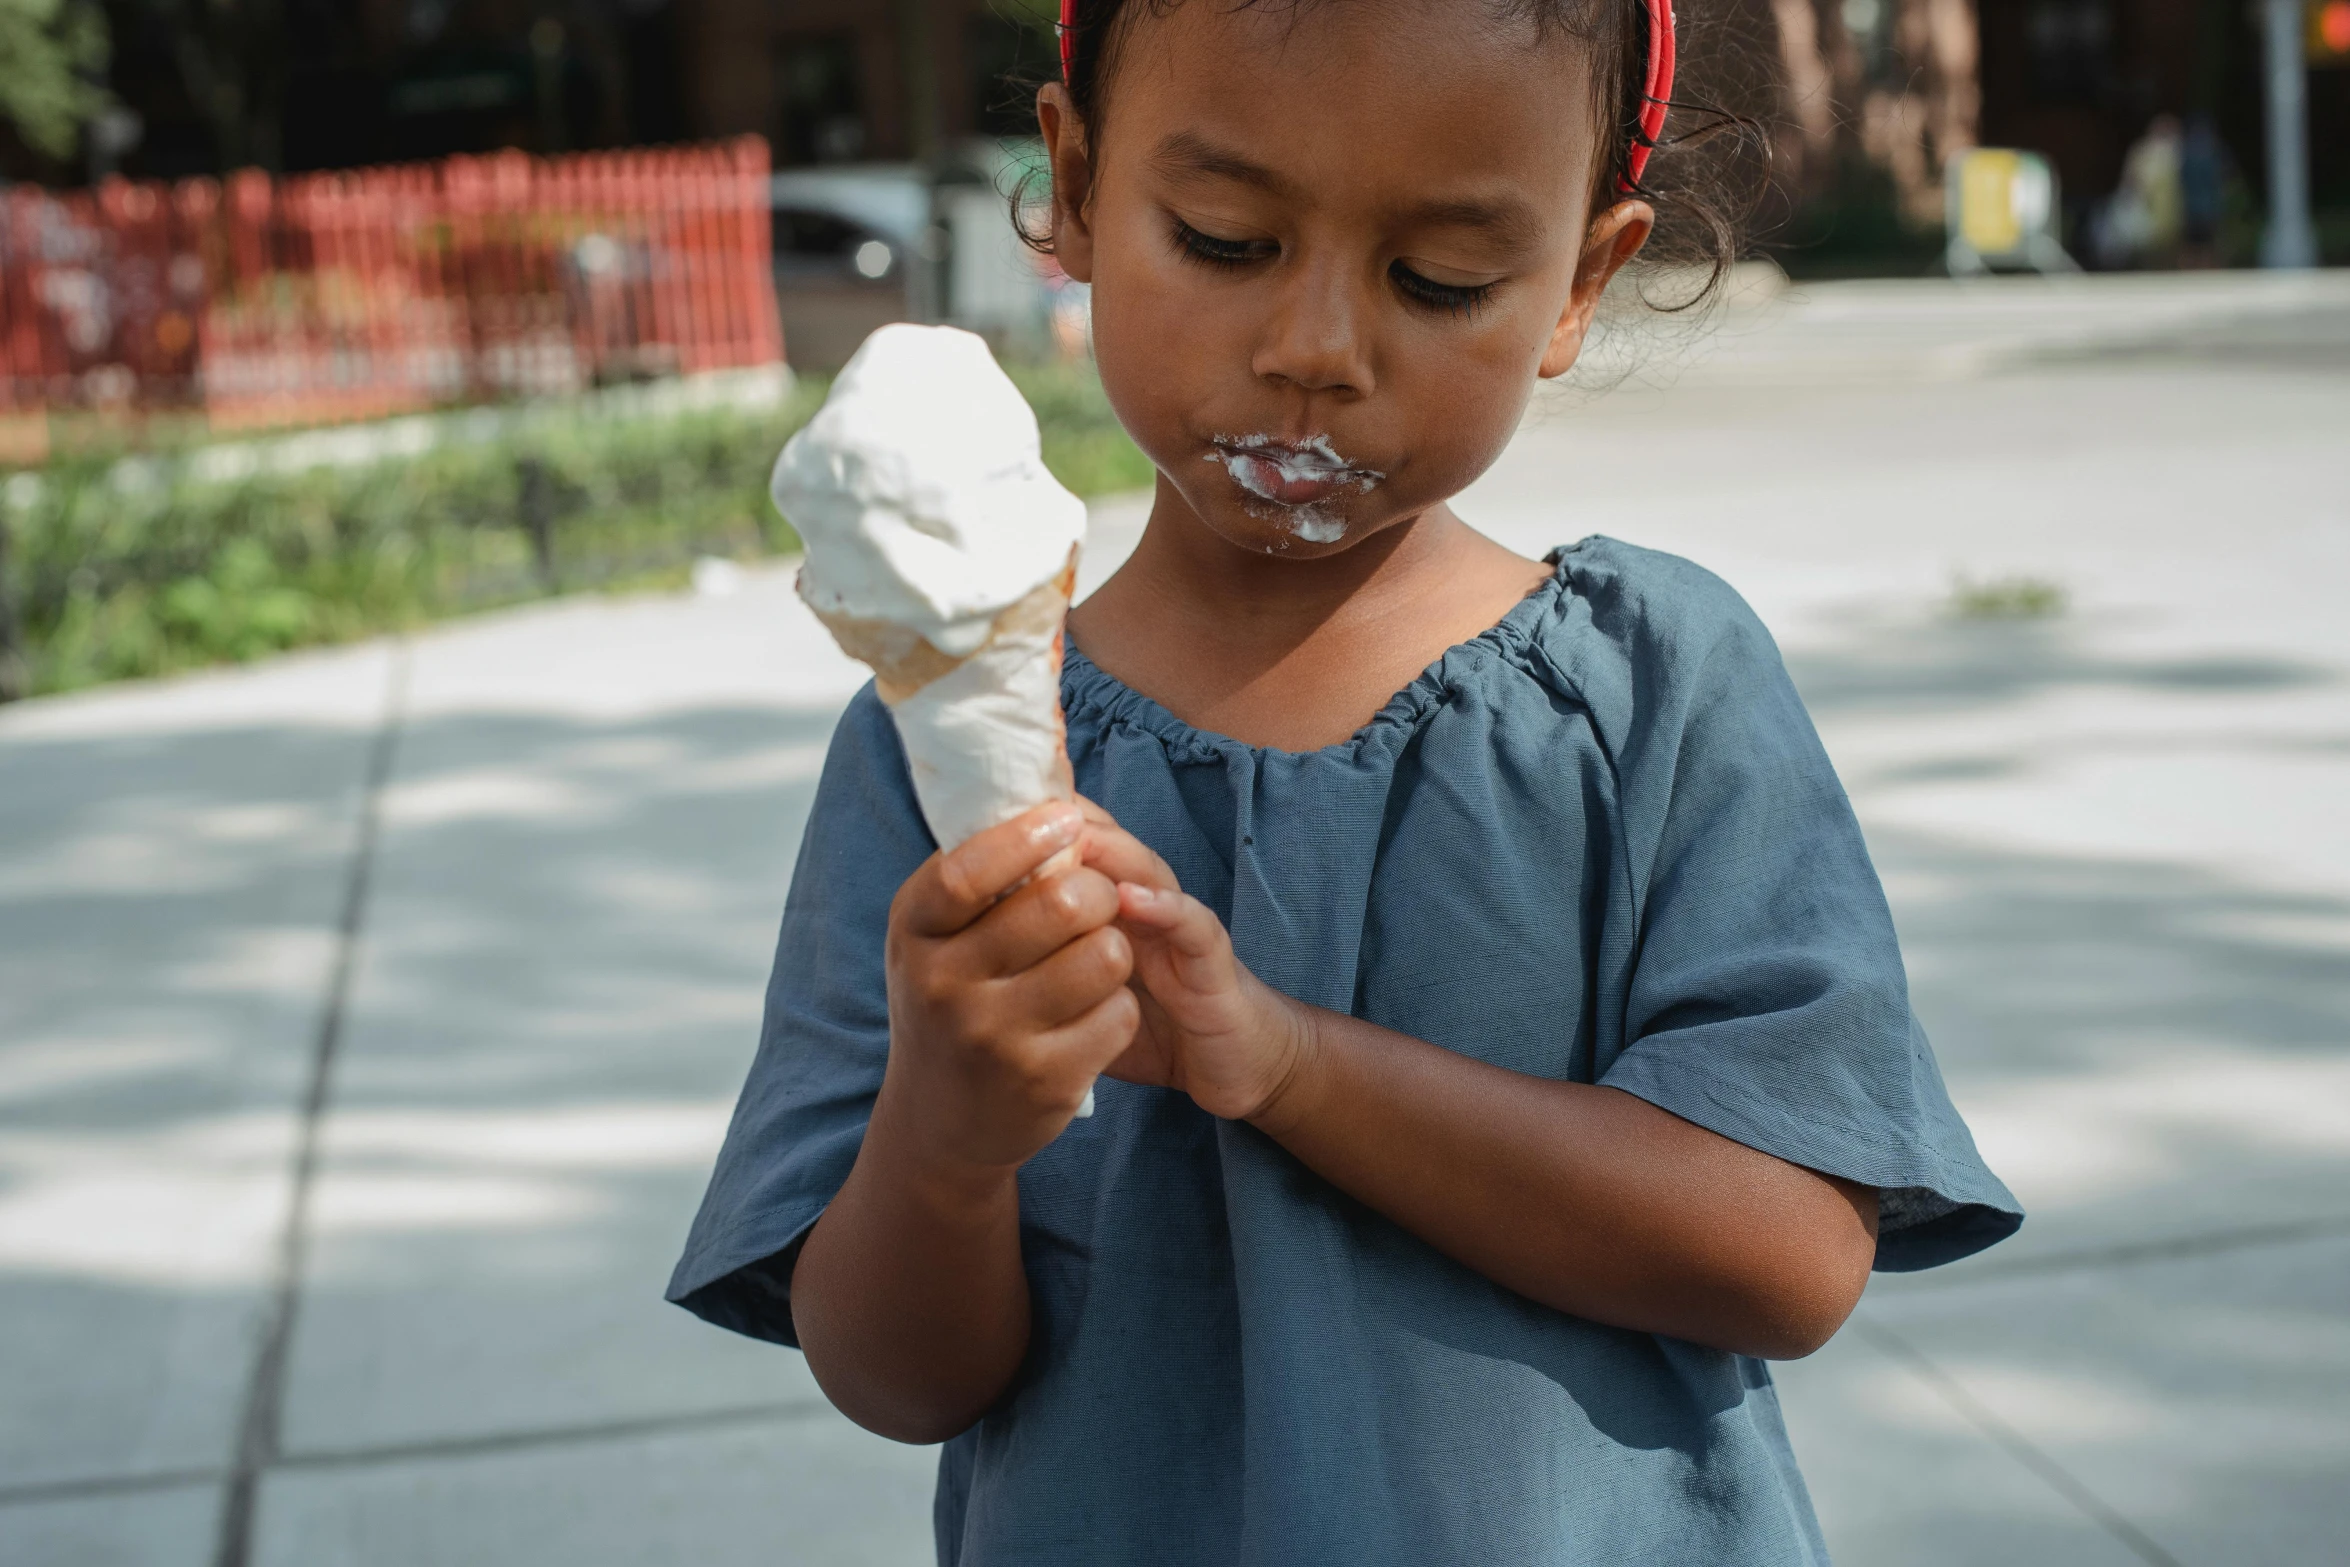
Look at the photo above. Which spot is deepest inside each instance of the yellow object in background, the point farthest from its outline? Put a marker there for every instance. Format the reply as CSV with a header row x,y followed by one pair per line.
x,y
2000,210
1986,200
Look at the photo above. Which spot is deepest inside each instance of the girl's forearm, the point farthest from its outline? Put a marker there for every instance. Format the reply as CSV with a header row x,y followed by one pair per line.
x,y
1586,1199
908,1296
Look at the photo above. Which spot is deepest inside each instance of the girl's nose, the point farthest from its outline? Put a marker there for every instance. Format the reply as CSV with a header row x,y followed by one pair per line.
x,y
1313,339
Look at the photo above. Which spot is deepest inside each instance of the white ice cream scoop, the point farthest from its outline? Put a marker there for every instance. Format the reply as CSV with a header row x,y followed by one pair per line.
x,y
920,493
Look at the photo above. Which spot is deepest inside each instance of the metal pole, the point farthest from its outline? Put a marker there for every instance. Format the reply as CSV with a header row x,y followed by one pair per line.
x,y
917,27
535,501
546,56
15,681
2290,240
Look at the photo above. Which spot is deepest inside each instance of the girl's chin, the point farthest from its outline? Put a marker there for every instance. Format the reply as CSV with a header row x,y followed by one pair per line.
x,y
1264,528
1284,530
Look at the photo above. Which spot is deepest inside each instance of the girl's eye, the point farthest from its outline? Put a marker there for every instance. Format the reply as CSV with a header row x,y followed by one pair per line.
x,y
1215,252
1461,299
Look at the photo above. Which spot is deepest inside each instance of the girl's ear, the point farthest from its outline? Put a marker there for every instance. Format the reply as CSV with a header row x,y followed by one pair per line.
x,y
1072,164
1615,238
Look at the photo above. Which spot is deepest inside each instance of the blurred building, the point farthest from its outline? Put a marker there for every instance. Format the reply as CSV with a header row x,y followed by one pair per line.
x,y
2082,79
1868,98
830,80
887,119
311,84
1875,95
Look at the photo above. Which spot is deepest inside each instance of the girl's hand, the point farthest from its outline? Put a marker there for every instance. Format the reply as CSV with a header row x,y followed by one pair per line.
x,y
1209,1026
1006,999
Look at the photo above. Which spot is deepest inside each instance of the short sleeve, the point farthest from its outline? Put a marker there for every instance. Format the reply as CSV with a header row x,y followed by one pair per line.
x,y
824,1041
1767,1000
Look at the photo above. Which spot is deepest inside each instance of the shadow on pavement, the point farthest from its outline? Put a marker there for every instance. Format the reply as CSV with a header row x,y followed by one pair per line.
x,y
557,993
1947,665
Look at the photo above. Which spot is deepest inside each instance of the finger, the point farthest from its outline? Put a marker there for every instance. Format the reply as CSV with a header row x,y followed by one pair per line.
x,y
1039,920
1096,1037
1070,982
954,888
1119,855
1188,925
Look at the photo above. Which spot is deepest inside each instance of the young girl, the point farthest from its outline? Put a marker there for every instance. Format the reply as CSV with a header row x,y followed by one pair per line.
x,y
1507,1049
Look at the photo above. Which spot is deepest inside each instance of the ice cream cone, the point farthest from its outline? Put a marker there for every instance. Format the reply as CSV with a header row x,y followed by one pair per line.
x,y
984,735
942,553
983,731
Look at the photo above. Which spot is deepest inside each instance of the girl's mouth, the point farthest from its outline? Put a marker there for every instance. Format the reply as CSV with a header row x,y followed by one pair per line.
x,y
1291,474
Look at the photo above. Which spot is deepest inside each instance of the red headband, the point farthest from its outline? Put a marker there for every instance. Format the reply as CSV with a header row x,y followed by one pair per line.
x,y
1654,93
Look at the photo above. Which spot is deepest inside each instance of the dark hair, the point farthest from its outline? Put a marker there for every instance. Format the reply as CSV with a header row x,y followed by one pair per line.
x,y
1705,177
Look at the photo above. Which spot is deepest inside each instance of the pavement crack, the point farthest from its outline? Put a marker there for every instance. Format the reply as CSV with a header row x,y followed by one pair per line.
x,y
264,1406
83,1488
2014,1443
486,1445
552,1436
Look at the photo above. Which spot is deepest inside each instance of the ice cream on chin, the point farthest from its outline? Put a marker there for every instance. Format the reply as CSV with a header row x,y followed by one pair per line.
x,y
941,553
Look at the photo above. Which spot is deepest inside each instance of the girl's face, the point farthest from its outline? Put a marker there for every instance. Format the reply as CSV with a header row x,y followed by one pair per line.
x,y
1331,249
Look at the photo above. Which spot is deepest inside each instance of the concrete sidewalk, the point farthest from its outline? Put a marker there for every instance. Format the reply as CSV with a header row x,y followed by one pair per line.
x,y
368,1019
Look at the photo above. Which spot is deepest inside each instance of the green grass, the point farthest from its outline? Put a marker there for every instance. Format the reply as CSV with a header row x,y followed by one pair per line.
x,y
111,580
2006,598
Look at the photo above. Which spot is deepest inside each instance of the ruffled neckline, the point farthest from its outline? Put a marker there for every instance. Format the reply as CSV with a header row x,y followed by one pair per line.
x,y
1087,688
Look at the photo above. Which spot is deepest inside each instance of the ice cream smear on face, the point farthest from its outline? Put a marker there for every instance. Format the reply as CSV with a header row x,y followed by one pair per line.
x,y
942,553
1296,480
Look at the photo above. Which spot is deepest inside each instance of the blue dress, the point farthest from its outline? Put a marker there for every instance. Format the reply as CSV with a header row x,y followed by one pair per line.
x,y
1600,842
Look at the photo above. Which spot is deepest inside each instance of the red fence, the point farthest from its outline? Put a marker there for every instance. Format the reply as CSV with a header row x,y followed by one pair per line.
x,y
347,295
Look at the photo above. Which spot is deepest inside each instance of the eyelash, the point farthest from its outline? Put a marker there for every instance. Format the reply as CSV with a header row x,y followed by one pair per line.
x,y
1226,254
1453,298
1231,254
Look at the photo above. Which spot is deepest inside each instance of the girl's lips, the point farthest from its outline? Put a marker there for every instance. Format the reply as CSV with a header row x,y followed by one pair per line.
x,y
1262,474
1291,475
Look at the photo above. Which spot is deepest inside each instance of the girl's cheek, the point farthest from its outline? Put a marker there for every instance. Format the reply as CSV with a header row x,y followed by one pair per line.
x,y
1472,387
1159,342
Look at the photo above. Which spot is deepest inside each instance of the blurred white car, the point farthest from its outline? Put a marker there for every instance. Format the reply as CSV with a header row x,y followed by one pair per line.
x,y
857,245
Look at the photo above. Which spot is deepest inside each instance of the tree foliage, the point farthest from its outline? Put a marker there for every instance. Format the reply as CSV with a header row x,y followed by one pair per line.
x,y
51,52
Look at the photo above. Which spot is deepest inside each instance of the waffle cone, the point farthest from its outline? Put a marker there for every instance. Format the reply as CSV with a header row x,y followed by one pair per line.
x,y
982,731
903,660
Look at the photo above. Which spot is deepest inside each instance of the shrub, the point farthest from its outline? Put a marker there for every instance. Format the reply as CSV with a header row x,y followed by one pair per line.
x,y
117,570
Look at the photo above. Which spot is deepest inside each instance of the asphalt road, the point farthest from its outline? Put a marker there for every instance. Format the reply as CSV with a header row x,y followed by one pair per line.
x,y
368,1018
